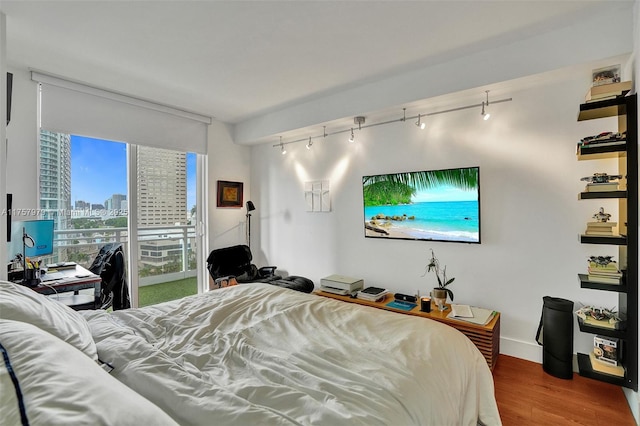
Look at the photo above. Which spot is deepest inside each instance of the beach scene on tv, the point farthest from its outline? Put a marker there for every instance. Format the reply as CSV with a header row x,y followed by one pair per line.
x,y
436,205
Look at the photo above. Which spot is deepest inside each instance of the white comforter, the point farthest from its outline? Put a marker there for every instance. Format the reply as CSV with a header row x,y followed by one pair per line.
x,y
256,354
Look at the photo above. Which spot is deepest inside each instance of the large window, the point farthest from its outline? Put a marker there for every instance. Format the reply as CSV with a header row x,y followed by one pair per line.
x,y
84,188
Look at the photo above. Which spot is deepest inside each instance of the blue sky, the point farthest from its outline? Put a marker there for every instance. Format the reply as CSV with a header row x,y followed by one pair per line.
x,y
99,170
445,193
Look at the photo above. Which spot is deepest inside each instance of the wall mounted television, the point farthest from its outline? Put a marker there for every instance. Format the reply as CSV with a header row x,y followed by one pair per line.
x,y
430,205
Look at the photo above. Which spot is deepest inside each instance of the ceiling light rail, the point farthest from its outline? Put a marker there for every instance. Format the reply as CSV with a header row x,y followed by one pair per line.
x,y
359,120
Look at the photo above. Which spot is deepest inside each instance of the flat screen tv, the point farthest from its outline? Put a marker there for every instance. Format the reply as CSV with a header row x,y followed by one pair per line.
x,y
431,205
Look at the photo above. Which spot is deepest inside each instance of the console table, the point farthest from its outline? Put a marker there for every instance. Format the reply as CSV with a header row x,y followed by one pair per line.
x,y
485,337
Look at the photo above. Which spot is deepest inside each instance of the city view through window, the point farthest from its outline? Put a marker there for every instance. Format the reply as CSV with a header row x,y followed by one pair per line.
x,y
83,187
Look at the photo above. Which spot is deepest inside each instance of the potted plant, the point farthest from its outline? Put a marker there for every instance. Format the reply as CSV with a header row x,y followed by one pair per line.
x,y
440,292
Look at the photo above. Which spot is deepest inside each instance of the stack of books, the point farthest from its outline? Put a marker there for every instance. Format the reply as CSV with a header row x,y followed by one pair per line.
x,y
606,274
372,294
601,187
607,91
600,228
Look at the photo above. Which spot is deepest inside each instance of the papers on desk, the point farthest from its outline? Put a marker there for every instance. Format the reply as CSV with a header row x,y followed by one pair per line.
x,y
471,314
51,276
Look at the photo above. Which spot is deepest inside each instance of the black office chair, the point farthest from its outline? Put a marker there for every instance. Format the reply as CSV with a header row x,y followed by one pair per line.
x,y
109,264
236,261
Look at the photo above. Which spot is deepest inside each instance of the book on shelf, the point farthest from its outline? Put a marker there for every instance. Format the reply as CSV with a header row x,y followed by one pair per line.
x,y
599,233
601,187
601,225
606,91
372,294
610,324
602,367
599,279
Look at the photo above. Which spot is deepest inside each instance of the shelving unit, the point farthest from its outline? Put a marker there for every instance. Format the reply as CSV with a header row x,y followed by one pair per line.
x,y
626,152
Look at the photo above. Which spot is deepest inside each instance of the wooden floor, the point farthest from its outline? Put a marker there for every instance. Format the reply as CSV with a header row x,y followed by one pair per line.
x,y
527,395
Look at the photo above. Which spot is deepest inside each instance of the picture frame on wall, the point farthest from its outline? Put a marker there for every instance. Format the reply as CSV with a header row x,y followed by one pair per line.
x,y
229,194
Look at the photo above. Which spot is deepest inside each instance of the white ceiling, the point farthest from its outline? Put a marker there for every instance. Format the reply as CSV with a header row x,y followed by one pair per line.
x,y
238,60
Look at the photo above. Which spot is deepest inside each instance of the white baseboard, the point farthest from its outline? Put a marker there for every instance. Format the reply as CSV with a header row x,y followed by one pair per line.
x,y
634,403
521,349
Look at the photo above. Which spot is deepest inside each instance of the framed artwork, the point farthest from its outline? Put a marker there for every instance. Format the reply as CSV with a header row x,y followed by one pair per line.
x,y
229,194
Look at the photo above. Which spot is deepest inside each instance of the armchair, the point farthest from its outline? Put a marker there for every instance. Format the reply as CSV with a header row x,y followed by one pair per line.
x,y
236,261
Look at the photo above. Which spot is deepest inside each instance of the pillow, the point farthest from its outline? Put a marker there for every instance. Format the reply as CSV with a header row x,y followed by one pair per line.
x,y
48,381
20,303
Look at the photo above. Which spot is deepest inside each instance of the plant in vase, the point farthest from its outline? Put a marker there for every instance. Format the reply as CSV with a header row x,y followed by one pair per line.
x,y
441,292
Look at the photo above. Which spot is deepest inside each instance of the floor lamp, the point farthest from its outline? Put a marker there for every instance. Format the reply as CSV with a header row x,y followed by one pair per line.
x,y
250,208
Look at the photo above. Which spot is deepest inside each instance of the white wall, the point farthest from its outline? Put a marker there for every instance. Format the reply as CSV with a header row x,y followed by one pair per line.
x,y
530,214
230,162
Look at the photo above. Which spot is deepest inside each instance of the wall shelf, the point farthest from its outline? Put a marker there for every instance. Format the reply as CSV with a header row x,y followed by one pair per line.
x,y
585,282
615,240
625,108
601,195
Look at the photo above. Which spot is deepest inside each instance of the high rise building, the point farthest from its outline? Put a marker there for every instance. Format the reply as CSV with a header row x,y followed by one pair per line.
x,y
55,176
162,187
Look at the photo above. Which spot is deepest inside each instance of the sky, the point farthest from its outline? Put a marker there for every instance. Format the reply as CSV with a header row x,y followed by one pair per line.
x,y
445,193
99,170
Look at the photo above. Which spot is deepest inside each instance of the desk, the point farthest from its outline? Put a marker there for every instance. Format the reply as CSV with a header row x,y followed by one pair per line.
x,y
73,280
485,337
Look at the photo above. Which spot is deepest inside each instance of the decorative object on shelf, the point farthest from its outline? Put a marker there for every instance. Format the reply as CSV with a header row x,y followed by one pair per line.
x,y
600,317
441,292
601,216
601,178
606,349
601,182
229,194
601,260
606,75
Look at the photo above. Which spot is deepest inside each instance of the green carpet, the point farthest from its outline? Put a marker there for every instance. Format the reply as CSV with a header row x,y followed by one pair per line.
x,y
152,294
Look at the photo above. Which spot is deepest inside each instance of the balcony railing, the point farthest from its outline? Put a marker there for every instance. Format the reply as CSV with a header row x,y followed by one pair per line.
x,y
174,249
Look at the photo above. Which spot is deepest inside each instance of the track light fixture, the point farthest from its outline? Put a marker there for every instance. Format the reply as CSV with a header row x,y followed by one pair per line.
x,y
360,120
485,115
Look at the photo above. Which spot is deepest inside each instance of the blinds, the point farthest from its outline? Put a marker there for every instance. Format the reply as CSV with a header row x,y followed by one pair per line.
x,y
69,107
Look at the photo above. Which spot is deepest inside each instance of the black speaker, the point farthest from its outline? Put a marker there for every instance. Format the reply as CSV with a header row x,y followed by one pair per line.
x,y
404,297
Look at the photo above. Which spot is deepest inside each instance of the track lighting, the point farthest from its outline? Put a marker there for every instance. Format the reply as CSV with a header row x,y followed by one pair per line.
x,y
360,120
485,115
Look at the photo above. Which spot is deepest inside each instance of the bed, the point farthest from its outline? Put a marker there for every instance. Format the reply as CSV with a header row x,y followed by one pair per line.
x,y
252,354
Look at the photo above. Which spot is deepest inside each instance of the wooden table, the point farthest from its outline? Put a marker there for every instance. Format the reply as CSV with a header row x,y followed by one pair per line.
x,y
485,337
72,281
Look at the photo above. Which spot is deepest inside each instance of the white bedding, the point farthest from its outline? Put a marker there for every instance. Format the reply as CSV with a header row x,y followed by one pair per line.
x,y
257,354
